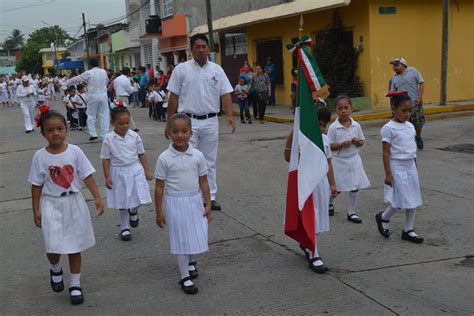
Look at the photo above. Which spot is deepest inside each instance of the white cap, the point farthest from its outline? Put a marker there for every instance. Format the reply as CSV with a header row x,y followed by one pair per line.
x,y
399,60
25,78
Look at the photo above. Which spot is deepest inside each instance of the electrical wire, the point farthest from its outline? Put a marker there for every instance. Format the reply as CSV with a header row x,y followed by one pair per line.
x,y
39,3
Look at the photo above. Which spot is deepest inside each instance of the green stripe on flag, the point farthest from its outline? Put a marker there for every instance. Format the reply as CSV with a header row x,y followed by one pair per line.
x,y
309,122
314,65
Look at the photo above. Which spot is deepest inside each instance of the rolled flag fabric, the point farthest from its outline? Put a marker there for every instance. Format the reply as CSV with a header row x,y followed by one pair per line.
x,y
308,163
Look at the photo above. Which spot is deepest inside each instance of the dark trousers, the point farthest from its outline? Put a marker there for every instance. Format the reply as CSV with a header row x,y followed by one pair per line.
x,y
82,117
262,106
142,95
160,112
272,99
254,102
244,107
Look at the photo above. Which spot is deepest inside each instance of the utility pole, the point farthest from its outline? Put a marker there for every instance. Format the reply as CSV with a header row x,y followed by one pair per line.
x,y
444,53
210,29
86,41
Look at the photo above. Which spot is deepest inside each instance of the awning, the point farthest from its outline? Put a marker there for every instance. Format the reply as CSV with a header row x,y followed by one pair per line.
x,y
74,64
280,11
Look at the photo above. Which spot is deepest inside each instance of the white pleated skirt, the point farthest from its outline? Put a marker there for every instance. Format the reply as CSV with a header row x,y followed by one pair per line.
x,y
321,202
186,224
405,189
349,173
66,224
129,187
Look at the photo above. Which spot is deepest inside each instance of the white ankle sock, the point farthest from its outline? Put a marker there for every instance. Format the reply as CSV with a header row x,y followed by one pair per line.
x,y
409,219
56,268
75,280
353,196
134,211
183,263
314,254
124,220
387,214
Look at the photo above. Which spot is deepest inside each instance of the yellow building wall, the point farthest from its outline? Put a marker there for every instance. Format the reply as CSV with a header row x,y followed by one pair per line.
x,y
414,33
355,16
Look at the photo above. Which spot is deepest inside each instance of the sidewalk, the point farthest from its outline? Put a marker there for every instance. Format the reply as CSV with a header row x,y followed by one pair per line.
x,y
282,113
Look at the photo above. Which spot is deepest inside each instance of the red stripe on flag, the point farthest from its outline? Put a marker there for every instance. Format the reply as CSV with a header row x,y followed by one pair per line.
x,y
299,225
306,73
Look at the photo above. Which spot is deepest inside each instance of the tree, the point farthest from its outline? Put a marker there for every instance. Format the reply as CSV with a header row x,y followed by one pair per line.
x,y
337,58
8,44
17,38
48,35
30,58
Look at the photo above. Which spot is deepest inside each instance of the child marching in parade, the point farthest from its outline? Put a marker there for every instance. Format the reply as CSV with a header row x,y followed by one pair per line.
x,y
125,170
59,208
346,138
402,186
183,170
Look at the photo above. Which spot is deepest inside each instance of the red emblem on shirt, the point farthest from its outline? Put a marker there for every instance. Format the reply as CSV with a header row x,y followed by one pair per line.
x,y
62,176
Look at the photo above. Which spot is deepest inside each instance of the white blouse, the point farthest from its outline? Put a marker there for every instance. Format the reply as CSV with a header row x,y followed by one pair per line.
x,y
120,150
337,134
401,137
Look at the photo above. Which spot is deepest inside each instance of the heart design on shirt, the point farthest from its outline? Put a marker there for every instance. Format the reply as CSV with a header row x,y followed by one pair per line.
x,y
62,176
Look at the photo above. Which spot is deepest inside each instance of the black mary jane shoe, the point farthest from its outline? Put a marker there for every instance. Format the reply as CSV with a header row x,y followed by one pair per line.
x,y
56,286
188,289
133,223
318,269
378,218
306,253
127,237
331,209
76,299
193,273
354,218
414,239
215,206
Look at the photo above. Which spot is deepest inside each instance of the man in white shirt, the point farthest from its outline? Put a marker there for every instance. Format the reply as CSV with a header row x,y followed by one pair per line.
x,y
25,94
98,104
123,89
196,88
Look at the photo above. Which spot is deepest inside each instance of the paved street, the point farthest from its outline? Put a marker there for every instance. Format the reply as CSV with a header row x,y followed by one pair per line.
x,y
252,268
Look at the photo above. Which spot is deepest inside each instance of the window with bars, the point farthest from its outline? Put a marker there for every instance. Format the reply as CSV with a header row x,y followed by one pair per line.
x,y
148,57
167,7
235,44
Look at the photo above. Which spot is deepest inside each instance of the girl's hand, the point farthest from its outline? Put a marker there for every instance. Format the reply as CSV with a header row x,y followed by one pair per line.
x,y
160,219
99,206
347,143
37,218
357,142
207,213
388,179
149,175
334,192
108,183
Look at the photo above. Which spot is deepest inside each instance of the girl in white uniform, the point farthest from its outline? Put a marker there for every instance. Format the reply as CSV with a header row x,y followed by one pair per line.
x,y
125,170
4,92
59,208
324,190
184,171
346,138
402,186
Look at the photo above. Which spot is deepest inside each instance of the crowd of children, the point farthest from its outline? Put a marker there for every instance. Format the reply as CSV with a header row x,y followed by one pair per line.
x,y
346,172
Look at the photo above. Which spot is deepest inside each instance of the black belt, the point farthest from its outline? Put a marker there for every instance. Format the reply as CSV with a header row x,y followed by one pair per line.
x,y
200,117
68,193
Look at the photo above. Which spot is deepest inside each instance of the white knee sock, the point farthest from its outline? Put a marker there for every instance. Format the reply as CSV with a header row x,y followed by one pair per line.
x,y
75,280
387,214
191,259
56,268
134,211
124,220
183,263
409,218
353,196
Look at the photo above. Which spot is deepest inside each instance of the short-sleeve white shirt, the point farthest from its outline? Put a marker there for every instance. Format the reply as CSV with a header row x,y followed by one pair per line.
x,y
181,170
327,146
199,88
59,173
337,133
123,86
120,150
401,137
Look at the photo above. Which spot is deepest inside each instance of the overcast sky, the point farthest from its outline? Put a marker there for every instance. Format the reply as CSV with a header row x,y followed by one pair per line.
x,y
27,15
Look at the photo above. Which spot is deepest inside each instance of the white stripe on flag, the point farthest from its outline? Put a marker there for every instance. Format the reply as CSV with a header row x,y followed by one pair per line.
x,y
294,144
310,70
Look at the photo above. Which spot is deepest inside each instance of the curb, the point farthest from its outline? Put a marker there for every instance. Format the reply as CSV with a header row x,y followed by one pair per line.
x,y
379,115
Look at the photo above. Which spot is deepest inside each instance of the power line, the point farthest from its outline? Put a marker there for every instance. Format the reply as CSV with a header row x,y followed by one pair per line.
x,y
39,3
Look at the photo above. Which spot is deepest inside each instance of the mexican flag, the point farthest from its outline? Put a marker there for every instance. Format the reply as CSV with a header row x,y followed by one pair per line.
x,y
308,163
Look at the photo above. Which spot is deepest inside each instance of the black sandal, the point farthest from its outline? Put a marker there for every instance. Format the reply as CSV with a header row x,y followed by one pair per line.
x,y
193,273
133,223
354,218
318,269
76,299
378,218
56,286
125,237
188,289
